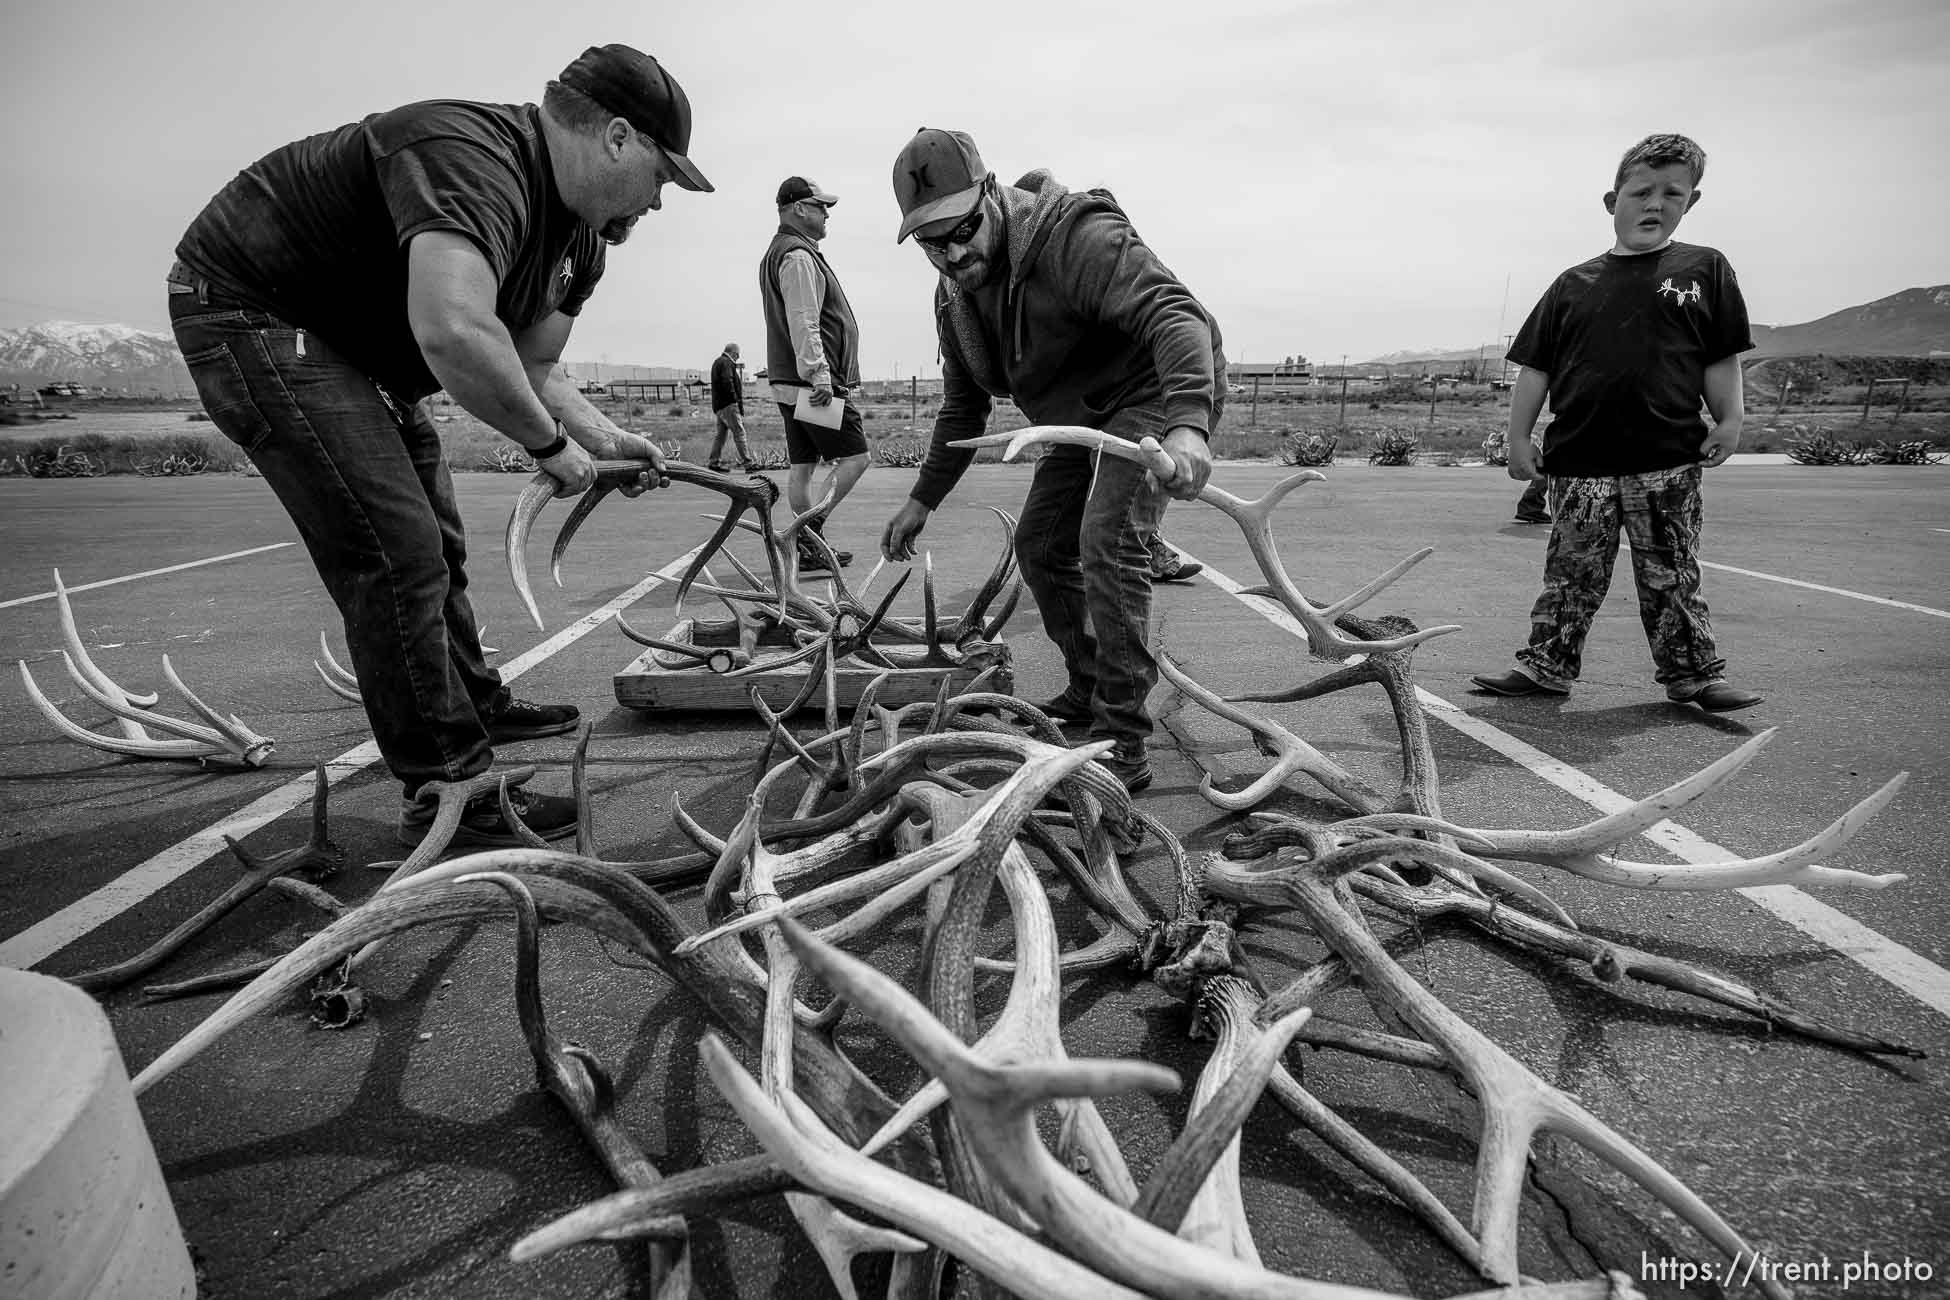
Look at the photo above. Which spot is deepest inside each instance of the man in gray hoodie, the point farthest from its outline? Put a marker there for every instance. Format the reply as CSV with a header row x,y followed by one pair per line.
x,y
1051,299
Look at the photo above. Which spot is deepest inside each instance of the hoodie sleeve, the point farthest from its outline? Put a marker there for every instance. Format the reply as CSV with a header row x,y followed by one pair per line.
x,y
1120,281
964,413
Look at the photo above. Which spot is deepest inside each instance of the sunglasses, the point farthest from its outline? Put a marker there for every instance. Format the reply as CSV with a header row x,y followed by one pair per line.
x,y
961,234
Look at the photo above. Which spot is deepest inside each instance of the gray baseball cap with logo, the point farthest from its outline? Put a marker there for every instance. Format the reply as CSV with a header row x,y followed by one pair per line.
x,y
937,175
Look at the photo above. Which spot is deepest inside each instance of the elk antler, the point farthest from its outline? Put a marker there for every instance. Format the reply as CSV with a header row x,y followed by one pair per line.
x,y
1255,519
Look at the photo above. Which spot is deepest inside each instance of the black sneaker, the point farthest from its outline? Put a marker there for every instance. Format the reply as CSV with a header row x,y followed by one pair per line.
x,y
481,826
1134,772
525,720
1167,566
842,558
811,561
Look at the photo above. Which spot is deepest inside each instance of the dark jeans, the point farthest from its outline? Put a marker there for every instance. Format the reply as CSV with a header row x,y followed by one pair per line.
x,y
1662,514
363,478
1081,544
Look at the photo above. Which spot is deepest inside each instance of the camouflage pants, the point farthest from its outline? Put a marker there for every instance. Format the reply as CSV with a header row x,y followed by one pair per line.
x,y
1660,514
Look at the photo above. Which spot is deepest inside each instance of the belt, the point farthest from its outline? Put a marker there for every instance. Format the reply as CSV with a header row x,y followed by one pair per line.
x,y
180,278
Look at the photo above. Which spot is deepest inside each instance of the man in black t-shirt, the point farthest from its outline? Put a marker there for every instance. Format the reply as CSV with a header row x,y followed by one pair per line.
x,y
1627,346
339,281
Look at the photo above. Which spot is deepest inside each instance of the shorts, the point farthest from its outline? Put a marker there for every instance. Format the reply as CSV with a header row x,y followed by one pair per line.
x,y
808,444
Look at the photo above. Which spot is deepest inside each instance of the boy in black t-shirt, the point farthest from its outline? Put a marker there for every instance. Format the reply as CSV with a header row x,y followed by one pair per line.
x,y
1627,346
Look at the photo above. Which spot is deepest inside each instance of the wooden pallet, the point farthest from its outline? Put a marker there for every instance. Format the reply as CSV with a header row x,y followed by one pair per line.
x,y
658,681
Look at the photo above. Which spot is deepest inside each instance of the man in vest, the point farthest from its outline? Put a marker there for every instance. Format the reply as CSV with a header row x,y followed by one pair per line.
x,y
338,282
728,407
812,350
1050,298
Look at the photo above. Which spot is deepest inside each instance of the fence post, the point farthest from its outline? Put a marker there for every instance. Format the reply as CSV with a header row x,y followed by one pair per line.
x,y
1252,420
1781,405
914,399
1343,419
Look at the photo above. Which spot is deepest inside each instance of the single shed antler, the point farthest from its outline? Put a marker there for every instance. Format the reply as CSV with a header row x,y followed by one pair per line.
x,y
1255,519
755,493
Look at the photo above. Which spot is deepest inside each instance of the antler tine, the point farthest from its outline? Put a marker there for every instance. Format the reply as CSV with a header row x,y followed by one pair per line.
x,y
383,915
996,1104
71,637
930,615
1581,850
1515,1102
161,722
1611,960
331,668
1324,640
534,495
791,1134
250,748
584,507
1194,1190
568,1072
147,748
1291,754
994,823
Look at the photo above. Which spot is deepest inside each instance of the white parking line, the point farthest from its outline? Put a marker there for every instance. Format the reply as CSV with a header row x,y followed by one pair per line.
x,y
1832,591
1901,966
1624,545
146,573
44,938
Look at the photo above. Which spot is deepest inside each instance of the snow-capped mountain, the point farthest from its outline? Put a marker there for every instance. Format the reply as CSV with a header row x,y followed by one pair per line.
x,y
119,358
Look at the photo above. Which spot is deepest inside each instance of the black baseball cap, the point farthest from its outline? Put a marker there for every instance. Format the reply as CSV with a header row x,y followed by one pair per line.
x,y
794,188
634,86
937,175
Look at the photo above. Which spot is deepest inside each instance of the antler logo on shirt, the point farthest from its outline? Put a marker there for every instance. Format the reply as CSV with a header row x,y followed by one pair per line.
x,y
568,271
1681,295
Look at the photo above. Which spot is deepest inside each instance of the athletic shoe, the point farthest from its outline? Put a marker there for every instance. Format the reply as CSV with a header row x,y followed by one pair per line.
x,y
481,825
524,720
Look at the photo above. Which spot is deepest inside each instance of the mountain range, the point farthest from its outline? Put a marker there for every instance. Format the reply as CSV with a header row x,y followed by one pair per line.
x,y
128,361
120,358
1913,323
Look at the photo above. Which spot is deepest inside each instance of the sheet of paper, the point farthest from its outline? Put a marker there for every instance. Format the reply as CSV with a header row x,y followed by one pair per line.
x,y
826,417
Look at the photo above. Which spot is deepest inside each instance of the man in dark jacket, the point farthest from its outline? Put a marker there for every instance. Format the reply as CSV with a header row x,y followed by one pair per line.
x,y
728,406
339,281
1051,299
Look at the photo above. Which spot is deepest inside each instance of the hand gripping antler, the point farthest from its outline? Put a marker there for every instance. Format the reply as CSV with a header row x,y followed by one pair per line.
x,y
1255,519
755,493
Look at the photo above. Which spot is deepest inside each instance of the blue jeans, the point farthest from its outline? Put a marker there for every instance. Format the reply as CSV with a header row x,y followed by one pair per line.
x,y
363,478
1081,544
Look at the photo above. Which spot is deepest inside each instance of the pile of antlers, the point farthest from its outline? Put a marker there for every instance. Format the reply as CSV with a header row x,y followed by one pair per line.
x,y
985,795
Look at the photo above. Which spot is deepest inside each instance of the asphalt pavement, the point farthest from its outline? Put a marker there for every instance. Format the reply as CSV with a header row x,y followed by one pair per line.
x,y
403,1156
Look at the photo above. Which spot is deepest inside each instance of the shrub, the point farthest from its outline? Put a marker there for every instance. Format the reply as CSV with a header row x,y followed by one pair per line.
x,y
676,410
901,451
59,461
506,458
1903,453
1820,447
769,457
1393,447
1299,447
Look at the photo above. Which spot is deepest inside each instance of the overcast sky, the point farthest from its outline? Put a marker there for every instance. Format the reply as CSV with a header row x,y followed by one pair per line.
x,y
1329,178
